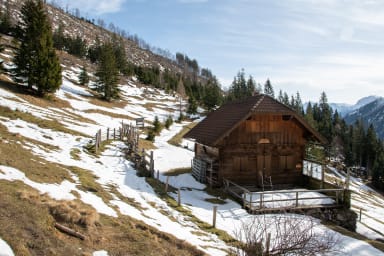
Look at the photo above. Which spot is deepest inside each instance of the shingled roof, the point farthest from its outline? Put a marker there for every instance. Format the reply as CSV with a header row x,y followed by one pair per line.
x,y
224,120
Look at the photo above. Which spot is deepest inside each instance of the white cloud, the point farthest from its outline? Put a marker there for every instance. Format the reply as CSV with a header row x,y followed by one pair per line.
x,y
96,7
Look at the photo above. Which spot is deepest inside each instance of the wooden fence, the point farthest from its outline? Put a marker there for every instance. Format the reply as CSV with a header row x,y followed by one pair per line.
x,y
273,201
130,135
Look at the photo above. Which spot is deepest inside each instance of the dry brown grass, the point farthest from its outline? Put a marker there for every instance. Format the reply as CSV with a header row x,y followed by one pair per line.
x,y
42,123
27,224
73,212
108,104
176,140
111,114
146,145
13,154
46,102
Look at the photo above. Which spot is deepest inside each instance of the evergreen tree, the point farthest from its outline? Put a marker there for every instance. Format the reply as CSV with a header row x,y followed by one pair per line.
x,y
240,87
107,73
371,147
59,38
268,89
121,56
156,125
251,86
280,98
212,96
285,99
378,170
94,52
298,104
83,76
5,19
36,61
358,136
309,115
325,117
192,106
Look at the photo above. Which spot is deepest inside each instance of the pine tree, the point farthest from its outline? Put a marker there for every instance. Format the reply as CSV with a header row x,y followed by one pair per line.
x,y
371,147
298,104
280,98
251,86
213,96
107,73
83,76
268,89
309,115
378,170
325,117
36,61
192,106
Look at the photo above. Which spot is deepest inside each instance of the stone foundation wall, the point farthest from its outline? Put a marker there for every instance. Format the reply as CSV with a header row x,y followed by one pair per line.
x,y
343,217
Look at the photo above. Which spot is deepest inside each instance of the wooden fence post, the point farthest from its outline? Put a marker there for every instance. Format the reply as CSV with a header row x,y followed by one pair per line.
x,y
96,144
166,184
214,216
360,215
158,175
322,176
178,197
268,242
250,202
297,199
114,133
152,165
107,133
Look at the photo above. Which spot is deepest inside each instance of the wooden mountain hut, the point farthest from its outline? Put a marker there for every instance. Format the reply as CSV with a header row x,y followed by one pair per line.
x,y
252,142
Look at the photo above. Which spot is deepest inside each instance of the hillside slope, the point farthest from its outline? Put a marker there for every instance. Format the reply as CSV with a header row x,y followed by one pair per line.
x,y
74,26
48,175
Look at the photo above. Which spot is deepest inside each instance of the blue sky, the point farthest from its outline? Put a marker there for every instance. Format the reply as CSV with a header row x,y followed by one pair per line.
x,y
308,46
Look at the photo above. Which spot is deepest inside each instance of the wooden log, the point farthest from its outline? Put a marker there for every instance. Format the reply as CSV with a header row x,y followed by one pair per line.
x,y
69,231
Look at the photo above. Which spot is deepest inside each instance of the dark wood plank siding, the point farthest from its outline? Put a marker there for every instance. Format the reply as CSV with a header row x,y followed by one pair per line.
x,y
268,145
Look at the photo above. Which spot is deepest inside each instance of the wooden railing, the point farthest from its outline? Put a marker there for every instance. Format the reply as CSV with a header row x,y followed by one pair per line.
x,y
265,199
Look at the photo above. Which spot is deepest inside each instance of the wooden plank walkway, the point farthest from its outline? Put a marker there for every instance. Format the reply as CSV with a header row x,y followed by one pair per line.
x,y
296,200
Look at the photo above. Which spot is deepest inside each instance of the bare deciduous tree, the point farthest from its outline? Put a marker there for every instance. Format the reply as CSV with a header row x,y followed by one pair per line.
x,y
283,235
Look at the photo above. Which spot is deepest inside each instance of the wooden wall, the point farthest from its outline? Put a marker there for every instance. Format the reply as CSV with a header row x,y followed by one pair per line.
x,y
244,159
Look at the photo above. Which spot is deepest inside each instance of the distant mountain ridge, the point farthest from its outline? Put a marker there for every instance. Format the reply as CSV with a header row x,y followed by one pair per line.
x,y
369,109
344,108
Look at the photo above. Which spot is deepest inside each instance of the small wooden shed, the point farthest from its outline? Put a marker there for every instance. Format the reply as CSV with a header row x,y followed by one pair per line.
x,y
251,142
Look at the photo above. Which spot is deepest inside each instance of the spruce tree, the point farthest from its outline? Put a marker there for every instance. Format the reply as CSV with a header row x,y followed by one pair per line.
x,y
378,170
83,76
36,61
107,73
268,89
309,115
